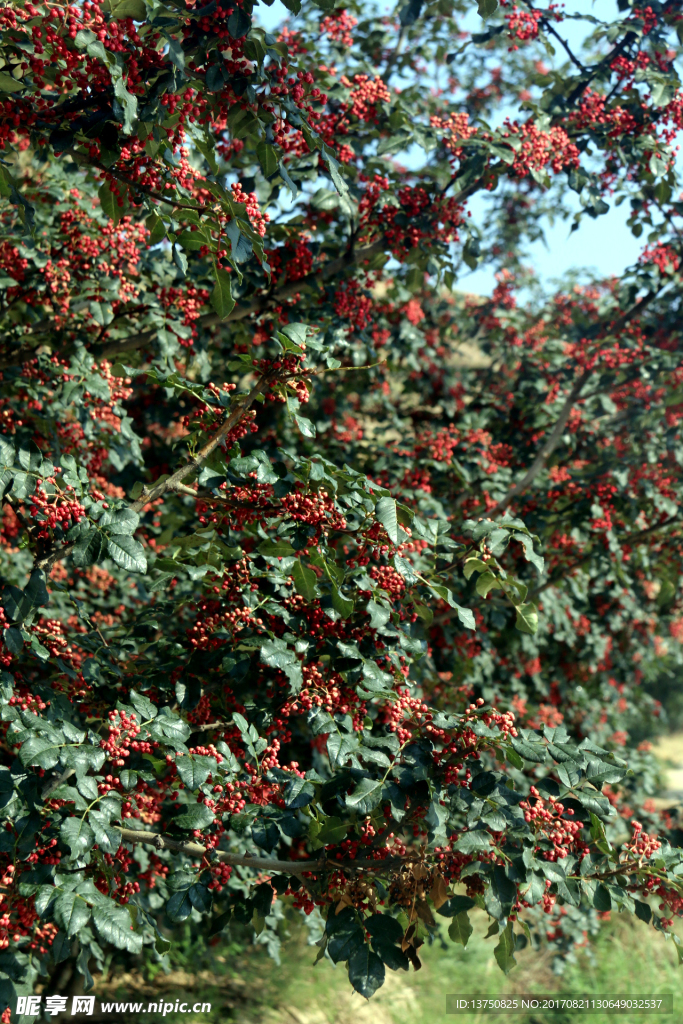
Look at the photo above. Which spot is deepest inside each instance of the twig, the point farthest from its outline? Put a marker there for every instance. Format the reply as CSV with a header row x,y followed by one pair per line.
x,y
54,784
233,419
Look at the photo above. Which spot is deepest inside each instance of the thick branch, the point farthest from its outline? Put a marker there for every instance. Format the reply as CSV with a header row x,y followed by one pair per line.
x,y
258,305
573,396
54,784
292,867
630,538
233,419
547,449
159,842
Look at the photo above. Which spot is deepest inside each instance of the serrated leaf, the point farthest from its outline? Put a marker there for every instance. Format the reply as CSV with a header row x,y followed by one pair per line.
x,y
460,929
386,514
89,549
134,9
128,553
504,951
195,770
366,796
332,833
487,582
487,8
341,604
267,158
305,581
345,936
40,752
113,924
71,912
531,751
456,905
221,296
366,972
527,618
77,835
198,816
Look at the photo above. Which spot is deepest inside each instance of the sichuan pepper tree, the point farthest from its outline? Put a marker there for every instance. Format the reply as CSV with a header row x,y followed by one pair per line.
x,y
326,584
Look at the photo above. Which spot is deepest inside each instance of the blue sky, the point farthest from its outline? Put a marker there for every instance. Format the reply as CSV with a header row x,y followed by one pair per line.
x,y
605,246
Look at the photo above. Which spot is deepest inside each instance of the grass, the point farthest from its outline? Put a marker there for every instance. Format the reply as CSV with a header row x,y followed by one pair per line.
x,y
627,959
245,987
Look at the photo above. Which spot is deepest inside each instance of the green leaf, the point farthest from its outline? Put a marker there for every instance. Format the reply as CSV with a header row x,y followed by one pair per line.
x,y
121,521
157,229
9,84
345,936
39,752
513,758
341,604
332,832
221,296
89,549
110,203
195,770
500,895
143,706
77,835
298,793
465,615
527,618
460,929
305,581
306,426
385,512
456,905
127,552
643,911
113,924
528,545
30,457
267,157
71,913
129,9
179,907
198,816
276,548
601,898
487,8
504,951
107,838
487,582
366,972
531,751
366,796
472,842
379,615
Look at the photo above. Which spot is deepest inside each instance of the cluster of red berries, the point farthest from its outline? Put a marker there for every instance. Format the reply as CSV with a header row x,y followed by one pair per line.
x,y
546,818
123,728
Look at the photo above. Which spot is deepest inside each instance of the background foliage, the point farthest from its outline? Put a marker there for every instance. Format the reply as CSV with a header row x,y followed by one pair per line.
x,y
326,584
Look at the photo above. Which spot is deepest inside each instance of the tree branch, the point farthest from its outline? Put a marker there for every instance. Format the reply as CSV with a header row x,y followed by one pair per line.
x,y
54,784
548,448
232,420
258,305
573,396
630,538
291,867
